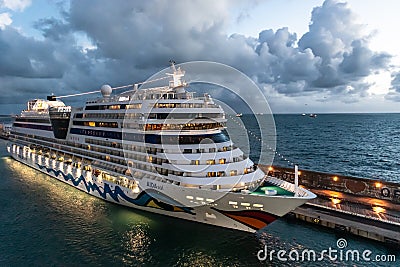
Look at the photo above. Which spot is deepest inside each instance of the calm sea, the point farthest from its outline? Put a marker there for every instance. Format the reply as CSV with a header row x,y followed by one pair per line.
x,y
44,222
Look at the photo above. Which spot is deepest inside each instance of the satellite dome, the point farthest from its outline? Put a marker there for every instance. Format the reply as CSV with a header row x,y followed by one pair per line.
x,y
106,90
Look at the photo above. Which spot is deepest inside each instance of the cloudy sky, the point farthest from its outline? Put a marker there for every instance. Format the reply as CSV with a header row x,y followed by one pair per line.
x,y
306,56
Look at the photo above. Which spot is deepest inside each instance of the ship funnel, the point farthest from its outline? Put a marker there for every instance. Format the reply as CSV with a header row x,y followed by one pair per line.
x,y
59,118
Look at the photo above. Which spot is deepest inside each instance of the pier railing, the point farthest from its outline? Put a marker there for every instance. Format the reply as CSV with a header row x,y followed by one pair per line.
x,y
354,210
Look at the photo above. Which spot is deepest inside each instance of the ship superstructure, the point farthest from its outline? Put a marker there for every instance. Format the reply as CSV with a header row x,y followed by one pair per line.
x,y
159,149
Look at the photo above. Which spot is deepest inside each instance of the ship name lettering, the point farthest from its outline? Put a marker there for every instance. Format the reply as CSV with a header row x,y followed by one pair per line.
x,y
154,185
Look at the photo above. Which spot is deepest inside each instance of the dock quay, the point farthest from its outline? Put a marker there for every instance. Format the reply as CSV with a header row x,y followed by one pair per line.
x,y
368,208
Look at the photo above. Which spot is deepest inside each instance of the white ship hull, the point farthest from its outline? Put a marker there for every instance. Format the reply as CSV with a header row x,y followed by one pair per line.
x,y
158,149
230,210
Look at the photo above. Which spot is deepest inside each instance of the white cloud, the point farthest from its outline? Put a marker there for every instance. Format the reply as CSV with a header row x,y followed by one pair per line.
x,y
122,41
5,20
15,5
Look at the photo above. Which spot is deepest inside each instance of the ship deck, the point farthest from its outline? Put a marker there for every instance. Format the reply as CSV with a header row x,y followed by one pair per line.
x,y
269,186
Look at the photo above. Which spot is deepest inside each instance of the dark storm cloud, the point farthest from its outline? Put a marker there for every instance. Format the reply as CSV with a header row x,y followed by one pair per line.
x,y
361,61
333,54
134,39
394,91
27,58
147,33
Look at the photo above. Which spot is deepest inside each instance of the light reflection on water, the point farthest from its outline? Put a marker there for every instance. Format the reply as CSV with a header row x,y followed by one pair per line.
x,y
135,244
57,194
201,258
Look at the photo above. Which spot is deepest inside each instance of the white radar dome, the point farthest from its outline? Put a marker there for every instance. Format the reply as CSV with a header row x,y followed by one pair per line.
x,y
106,90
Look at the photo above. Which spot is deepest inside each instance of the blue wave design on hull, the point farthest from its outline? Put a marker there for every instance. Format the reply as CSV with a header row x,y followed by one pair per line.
x,y
142,200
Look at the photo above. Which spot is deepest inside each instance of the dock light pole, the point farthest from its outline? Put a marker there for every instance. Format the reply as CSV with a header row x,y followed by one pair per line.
x,y
296,179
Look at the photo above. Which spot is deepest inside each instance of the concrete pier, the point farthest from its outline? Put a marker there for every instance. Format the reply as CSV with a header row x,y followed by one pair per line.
x,y
348,224
368,208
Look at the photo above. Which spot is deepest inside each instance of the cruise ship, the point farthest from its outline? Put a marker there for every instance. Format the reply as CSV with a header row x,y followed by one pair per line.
x,y
160,149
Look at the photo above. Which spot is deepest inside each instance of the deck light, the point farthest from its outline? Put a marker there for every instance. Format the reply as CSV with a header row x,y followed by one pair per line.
x,y
335,200
378,209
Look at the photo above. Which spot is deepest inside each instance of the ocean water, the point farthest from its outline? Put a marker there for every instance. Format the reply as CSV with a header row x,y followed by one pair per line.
x,y
48,223
360,145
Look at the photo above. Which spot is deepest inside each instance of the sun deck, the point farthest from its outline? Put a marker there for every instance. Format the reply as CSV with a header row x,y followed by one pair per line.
x,y
271,189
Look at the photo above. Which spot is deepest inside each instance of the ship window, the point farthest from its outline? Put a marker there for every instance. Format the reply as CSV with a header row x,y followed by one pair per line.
x,y
258,205
210,215
233,172
211,174
245,204
222,161
210,162
133,106
247,170
232,203
189,197
92,124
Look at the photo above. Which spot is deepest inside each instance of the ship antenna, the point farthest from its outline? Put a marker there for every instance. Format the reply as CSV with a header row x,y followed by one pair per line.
x,y
176,76
172,62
